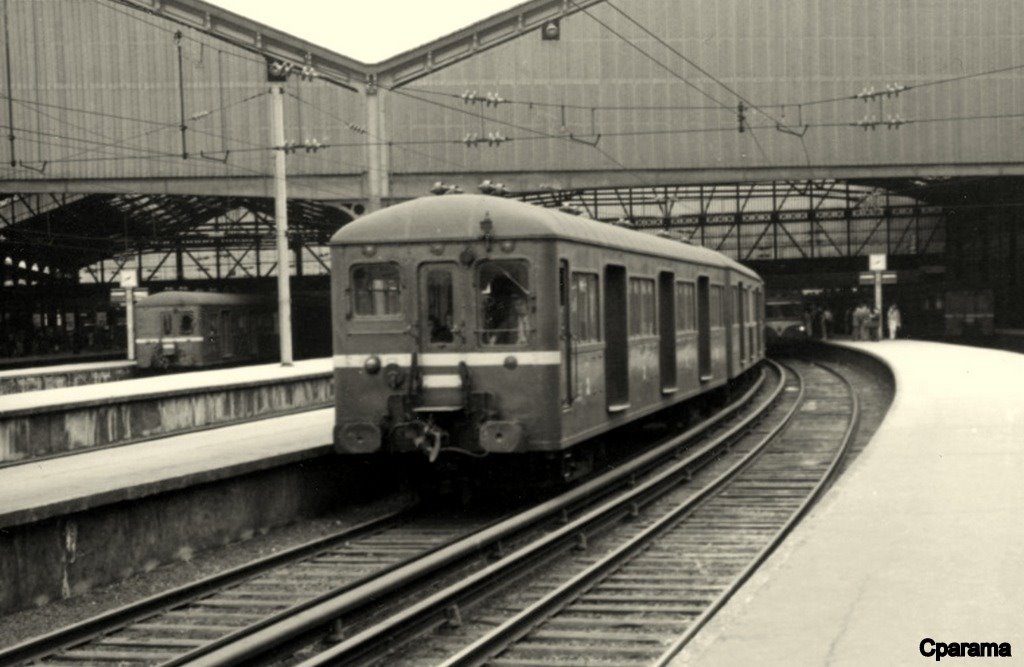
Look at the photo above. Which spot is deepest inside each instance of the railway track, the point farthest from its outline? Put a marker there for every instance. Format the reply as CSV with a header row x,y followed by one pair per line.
x,y
637,593
255,612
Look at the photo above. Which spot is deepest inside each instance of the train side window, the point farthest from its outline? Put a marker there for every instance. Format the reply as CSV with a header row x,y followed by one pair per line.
x,y
585,313
686,319
186,324
376,290
167,324
641,307
504,302
715,306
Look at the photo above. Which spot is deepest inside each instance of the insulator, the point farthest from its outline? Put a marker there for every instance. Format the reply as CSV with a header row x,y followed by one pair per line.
x,y
471,139
486,186
308,73
280,68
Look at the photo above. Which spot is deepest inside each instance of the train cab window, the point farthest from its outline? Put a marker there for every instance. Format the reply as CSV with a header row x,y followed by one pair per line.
x,y
375,290
504,302
686,319
186,324
641,307
584,303
715,306
167,324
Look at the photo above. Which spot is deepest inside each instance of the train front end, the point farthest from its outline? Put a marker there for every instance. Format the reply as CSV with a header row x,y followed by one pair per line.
x,y
441,338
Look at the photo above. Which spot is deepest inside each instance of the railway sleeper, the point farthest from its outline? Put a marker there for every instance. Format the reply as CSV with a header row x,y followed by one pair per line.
x,y
621,650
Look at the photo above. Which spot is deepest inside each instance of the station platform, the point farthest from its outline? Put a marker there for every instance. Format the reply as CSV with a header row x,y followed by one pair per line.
x,y
59,358
57,421
921,538
86,480
64,375
72,523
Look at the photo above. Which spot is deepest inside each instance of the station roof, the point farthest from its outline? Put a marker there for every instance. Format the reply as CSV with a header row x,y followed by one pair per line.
x,y
76,231
458,217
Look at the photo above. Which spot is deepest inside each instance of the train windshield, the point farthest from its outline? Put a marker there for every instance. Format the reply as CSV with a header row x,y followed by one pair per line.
x,y
783,311
504,302
375,290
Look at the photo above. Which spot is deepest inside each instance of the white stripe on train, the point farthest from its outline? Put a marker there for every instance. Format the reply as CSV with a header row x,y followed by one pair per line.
x,y
442,359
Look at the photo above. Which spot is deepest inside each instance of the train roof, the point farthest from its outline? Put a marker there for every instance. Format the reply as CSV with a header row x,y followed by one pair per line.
x,y
457,217
181,299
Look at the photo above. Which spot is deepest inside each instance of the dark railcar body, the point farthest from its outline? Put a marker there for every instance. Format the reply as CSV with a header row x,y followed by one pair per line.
x,y
200,329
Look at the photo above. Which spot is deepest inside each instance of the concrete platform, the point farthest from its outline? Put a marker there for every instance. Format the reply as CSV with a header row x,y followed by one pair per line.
x,y
66,375
70,523
56,421
923,537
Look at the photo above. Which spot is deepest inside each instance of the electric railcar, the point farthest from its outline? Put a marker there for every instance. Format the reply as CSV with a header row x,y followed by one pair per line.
x,y
186,330
785,321
489,326
199,329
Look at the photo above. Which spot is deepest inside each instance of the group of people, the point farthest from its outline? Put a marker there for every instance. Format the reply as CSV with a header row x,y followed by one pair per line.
x,y
818,322
864,322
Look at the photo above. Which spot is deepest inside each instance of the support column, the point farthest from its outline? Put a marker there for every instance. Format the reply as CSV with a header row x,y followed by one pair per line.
x,y
378,156
284,297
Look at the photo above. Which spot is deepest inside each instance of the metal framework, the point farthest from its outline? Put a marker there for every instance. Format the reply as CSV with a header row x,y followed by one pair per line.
x,y
768,221
98,235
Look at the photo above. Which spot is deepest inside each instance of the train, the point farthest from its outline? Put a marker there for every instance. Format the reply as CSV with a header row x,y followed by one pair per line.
x,y
178,330
784,320
488,327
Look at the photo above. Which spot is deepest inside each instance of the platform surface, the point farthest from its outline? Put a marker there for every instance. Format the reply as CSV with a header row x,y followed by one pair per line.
x,y
66,368
922,537
175,383
54,487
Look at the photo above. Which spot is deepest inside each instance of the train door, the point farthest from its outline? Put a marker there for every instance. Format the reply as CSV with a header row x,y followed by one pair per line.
x,y
616,350
440,326
741,321
704,328
568,379
226,339
667,331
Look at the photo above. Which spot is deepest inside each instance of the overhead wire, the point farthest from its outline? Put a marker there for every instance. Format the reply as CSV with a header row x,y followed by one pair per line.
x,y
659,63
378,141
569,138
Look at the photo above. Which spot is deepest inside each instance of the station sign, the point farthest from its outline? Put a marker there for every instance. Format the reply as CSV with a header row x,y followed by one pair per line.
x,y
117,295
868,277
877,262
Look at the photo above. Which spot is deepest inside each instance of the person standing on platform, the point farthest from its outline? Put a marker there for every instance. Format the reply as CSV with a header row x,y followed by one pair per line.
x,y
861,322
826,323
895,320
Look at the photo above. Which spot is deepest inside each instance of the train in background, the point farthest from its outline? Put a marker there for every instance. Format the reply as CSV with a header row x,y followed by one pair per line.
x,y
482,326
785,320
189,330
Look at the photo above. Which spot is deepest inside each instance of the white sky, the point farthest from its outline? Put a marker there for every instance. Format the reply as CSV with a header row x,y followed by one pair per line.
x,y
367,30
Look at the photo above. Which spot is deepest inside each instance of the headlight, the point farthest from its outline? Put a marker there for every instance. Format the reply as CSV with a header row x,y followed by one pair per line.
x,y
372,365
